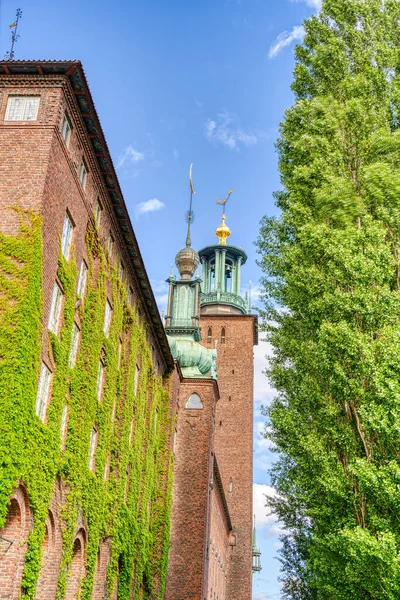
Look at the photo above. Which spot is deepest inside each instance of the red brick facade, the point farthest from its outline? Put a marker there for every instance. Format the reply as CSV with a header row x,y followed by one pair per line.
x,y
211,525
234,436
190,522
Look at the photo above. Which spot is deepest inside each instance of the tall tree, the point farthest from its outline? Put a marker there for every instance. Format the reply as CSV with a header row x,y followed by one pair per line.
x,y
331,266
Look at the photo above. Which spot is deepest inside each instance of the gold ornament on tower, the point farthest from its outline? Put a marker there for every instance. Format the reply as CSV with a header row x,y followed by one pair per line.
x,y
223,232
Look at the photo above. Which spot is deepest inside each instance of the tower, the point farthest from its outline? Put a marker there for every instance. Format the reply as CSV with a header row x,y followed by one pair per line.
x,y
194,493
226,323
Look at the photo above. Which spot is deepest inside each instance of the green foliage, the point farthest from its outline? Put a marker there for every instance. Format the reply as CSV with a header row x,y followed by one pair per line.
x,y
332,308
132,506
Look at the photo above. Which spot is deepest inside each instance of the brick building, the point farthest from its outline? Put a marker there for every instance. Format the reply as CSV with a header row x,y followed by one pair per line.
x,y
101,410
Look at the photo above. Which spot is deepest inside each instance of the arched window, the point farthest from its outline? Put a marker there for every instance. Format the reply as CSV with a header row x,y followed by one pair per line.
x,y
209,335
13,544
194,402
223,335
77,567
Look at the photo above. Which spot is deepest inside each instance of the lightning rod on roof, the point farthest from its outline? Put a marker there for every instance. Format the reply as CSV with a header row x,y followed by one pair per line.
x,y
14,36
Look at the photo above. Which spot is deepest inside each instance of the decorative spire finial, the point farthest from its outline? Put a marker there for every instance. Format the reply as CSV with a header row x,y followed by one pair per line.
x,y
190,214
223,231
14,37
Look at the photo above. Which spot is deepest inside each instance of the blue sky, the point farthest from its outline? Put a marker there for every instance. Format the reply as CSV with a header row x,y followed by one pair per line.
x,y
202,81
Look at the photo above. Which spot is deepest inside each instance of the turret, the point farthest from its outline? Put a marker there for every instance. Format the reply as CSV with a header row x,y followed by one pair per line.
x,y
220,290
256,551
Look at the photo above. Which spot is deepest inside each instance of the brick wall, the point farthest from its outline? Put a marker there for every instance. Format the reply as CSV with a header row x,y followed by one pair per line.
x,y
188,560
219,548
39,172
234,437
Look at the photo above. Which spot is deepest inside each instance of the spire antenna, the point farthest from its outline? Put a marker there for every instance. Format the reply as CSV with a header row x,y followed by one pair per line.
x,y
14,36
190,214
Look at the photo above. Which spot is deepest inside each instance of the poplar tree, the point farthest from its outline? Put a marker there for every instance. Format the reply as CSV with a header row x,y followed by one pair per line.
x,y
331,264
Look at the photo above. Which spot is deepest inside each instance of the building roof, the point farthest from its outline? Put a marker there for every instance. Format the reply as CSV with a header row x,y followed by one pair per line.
x,y
74,72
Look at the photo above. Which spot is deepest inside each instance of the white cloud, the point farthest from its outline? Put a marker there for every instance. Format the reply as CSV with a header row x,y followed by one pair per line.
x,y
129,157
263,392
149,206
265,520
315,4
285,39
226,130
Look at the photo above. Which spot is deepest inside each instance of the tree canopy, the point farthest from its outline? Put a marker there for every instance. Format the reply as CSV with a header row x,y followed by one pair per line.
x,y
331,265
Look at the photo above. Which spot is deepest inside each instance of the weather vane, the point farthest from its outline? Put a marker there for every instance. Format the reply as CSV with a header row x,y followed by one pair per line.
x,y
224,201
14,37
190,213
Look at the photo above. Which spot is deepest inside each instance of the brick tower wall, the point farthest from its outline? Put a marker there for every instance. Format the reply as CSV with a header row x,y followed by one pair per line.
x,y
190,522
234,436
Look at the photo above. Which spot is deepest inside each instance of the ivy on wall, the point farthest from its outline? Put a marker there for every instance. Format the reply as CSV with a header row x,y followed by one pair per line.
x,y
132,505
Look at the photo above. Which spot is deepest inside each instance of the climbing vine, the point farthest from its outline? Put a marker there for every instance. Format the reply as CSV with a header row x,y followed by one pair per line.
x,y
127,498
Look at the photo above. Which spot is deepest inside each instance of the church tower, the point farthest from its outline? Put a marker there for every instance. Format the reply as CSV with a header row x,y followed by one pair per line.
x,y
228,325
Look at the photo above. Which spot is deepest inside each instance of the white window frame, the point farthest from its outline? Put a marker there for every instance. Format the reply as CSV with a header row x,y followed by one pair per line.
x,y
94,435
82,280
66,130
76,334
97,213
100,380
43,393
66,239
83,173
55,309
130,295
137,377
25,107
110,244
107,318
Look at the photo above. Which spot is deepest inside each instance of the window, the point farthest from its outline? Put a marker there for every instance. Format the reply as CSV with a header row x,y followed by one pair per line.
x,y
107,318
230,485
22,108
55,309
121,270
137,373
223,335
81,287
83,174
194,402
74,345
66,236
42,397
92,448
97,213
66,130
209,335
110,245
63,428
130,295
100,380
